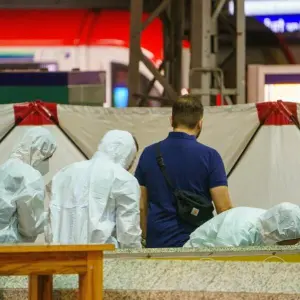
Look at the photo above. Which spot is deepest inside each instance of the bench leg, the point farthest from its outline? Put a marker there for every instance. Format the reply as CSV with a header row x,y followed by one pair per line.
x,y
95,262
85,286
33,287
40,287
91,283
46,286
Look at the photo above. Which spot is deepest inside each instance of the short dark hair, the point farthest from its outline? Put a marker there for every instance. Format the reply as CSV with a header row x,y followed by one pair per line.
x,y
187,111
136,143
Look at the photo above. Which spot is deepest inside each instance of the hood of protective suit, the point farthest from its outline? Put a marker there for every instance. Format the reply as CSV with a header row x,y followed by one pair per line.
x,y
280,223
119,146
36,146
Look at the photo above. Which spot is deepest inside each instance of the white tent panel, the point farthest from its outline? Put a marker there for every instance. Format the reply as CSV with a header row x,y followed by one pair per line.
x,y
65,154
268,173
7,118
227,129
87,125
298,111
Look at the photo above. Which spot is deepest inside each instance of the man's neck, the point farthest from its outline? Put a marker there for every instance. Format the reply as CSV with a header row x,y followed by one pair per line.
x,y
185,130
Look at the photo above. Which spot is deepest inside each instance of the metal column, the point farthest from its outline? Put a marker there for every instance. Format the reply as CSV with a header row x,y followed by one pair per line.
x,y
136,9
200,49
206,77
136,55
240,51
176,37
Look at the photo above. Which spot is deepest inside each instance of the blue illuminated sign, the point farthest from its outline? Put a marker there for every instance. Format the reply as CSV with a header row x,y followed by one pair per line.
x,y
120,97
278,15
268,7
281,24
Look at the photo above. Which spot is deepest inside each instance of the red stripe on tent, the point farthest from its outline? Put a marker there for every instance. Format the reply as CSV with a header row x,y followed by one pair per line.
x,y
35,113
277,113
219,100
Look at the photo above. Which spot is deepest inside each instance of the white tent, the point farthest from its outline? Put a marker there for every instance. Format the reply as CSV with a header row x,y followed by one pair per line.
x,y
259,143
16,119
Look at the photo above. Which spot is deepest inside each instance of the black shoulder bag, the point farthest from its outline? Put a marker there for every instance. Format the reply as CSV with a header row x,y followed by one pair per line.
x,y
192,208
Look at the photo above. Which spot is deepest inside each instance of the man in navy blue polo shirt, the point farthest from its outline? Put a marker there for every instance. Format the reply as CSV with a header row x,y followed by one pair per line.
x,y
190,165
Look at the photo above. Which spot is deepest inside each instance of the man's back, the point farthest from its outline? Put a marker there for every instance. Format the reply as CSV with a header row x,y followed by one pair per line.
x,y
191,166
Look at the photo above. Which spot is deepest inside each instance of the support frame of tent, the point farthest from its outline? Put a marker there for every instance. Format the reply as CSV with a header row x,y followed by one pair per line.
x,y
273,106
41,109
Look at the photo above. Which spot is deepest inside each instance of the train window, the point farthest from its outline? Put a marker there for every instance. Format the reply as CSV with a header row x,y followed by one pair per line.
x,y
119,84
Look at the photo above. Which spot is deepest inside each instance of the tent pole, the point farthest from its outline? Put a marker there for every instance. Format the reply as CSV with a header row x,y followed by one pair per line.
x,y
249,143
17,122
46,112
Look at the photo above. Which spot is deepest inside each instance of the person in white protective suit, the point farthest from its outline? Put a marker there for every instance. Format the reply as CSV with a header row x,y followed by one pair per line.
x,y
245,226
97,201
22,188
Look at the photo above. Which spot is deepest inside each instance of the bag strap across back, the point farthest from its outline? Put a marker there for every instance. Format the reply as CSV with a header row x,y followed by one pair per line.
x,y
162,166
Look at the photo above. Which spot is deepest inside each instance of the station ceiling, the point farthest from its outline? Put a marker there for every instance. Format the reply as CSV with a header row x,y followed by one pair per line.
x,y
101,4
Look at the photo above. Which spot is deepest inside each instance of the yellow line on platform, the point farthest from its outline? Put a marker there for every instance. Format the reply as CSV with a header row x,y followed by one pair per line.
x,y
289,258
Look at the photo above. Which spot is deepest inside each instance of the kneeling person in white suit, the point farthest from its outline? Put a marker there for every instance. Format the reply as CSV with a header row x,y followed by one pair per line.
x,y
22,188
97,201
245,226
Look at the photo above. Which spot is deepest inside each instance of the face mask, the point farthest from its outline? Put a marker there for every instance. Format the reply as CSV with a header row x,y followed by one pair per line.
x,y
42,167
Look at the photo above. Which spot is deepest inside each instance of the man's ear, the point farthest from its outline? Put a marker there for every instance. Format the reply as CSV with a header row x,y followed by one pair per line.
x,y
171,120
200,124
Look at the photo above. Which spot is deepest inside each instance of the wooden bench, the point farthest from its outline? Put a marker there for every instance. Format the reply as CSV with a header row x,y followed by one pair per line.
x,y
41,262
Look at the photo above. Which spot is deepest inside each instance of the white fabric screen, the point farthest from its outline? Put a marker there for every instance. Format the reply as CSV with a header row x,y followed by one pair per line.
x,y
227,129
266,175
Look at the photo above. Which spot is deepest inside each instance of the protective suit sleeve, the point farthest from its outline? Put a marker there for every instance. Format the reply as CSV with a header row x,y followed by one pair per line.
x,y
30,209
206,235
128,215
48,229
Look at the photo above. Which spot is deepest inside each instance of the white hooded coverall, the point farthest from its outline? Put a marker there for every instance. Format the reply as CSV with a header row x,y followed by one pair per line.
x,y
246,226
97,201
22,189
